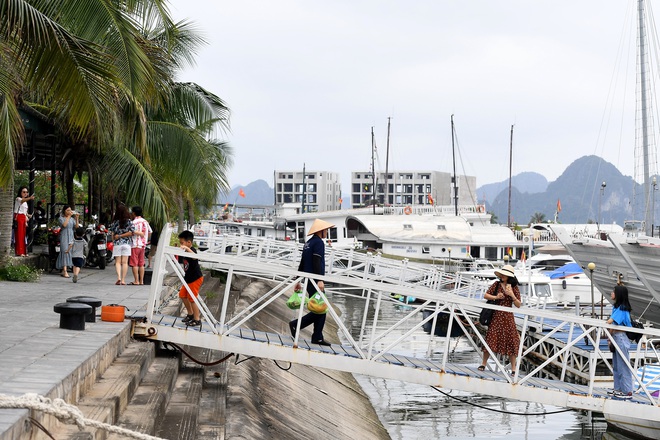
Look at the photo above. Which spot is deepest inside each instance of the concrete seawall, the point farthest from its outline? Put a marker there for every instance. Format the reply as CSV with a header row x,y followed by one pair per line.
x,y
263,401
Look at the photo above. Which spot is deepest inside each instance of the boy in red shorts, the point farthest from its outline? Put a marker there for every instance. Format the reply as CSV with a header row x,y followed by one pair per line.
x,y
193,277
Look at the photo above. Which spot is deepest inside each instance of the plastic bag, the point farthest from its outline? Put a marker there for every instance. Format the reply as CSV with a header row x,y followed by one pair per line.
x,y
317,305
295,300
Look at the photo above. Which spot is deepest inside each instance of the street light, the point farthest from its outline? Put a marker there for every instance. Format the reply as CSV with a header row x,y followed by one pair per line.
x,y
449,251
600,203
591,267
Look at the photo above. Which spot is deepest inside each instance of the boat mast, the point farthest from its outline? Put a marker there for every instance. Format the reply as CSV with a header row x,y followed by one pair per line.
x,y
508,215
453,157
373,171
387,164
644,102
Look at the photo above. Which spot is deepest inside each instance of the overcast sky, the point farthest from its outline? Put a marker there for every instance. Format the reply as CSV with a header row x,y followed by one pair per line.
x,y
306,81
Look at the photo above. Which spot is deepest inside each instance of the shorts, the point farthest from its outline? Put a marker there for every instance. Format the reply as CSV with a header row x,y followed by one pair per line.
x,y
194,287
137,257
121,250
78,262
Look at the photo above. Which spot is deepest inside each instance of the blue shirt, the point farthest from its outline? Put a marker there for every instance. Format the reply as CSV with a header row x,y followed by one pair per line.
x,y
621,317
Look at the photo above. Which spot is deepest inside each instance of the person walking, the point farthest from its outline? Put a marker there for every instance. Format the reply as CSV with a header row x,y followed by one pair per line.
x,y
620,316
502,336
69,222
313,261
21,216
78,250
122,233
138,245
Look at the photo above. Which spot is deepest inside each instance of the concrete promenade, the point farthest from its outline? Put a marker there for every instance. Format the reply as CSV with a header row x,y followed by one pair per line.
x,y
36,356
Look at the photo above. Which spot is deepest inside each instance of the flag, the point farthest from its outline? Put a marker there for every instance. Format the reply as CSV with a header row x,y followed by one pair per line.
x,y
558,206
523,257
366,187
241,193
430,197
341,200
226,207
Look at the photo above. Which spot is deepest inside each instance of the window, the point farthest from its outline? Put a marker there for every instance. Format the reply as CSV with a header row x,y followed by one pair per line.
x,y
356,187
426,249
407,227
442,228
261,232
247,231
288,187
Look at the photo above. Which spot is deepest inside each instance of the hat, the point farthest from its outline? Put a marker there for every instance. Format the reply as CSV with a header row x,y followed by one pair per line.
x,y
319,225
506,271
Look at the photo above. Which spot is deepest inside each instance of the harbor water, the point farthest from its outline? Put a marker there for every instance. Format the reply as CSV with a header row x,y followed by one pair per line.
x,y
410,411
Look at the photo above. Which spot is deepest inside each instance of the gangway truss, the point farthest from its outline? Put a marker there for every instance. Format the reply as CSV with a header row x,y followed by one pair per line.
x,y
375,279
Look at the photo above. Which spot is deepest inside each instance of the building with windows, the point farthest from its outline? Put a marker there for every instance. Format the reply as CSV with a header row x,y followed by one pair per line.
x,y
320,190
411,188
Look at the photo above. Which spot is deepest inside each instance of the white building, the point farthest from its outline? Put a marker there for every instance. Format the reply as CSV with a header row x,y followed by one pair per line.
x,y
321,190
411,188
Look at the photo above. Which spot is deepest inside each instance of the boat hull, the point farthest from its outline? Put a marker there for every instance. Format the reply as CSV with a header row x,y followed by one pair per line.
x,y
638,427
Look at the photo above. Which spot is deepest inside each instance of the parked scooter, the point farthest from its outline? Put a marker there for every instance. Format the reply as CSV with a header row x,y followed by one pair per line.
x,y
96,246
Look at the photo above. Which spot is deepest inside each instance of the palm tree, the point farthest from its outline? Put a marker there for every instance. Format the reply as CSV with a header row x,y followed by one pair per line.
x,y
537,217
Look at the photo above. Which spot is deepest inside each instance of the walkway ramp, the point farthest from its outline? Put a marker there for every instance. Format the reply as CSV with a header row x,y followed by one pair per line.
x,y
446,296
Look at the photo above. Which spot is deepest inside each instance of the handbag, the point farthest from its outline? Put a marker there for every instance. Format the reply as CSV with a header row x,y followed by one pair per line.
x,y
317,305
486,315
635,337
14,222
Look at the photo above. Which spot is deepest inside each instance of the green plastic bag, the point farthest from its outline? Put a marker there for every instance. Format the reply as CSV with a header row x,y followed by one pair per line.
x,y
295,300
317,305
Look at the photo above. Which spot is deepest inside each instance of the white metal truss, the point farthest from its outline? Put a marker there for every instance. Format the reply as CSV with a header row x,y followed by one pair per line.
x,y
376,279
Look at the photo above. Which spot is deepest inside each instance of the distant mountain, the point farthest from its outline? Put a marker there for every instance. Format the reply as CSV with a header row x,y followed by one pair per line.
x,y
578,190
256,193
527,182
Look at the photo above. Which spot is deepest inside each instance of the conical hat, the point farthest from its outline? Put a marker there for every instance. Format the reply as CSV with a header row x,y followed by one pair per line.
x,y
319,225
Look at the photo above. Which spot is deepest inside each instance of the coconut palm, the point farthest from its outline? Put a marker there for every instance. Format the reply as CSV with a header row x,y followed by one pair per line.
x,y
537,217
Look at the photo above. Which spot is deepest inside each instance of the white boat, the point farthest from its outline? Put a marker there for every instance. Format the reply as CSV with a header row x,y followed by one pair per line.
x,y
570,285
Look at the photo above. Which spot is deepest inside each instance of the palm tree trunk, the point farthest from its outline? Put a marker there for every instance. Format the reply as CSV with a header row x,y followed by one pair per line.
x,y
7,209
68,181
182,212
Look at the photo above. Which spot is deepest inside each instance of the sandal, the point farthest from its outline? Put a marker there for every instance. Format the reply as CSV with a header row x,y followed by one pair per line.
x,y
118,283
481,368
193,323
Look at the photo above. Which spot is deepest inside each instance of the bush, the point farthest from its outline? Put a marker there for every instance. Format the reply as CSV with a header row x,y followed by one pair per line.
x,y
20,272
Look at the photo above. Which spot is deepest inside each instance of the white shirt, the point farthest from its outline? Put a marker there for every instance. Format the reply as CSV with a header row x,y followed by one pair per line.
x,y
22,208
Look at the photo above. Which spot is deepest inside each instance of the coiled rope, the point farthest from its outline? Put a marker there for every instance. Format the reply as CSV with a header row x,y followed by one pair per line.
x,y
66,413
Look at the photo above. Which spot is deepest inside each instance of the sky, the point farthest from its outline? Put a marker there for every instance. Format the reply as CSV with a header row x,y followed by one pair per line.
x,y
307,80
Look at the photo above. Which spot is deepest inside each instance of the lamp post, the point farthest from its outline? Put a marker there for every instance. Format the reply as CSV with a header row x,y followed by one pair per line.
x,y
600,203
449,252
591,267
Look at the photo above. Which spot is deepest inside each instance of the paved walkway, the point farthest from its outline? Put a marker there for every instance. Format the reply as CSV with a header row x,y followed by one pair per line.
x,y
36,356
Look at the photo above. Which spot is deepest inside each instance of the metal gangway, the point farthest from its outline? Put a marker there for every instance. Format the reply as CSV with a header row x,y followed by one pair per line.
x,y
375,282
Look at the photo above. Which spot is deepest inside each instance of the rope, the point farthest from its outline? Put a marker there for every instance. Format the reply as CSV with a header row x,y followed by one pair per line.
x,y
65,413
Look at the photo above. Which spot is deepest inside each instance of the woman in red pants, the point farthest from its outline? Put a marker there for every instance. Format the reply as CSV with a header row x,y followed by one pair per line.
x,y
21,216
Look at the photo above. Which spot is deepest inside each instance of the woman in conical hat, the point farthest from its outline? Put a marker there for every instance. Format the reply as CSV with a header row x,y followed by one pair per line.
x,y
313,261
502,336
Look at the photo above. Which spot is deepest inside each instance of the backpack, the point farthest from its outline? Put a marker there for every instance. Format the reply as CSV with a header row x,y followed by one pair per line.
x,y
635,337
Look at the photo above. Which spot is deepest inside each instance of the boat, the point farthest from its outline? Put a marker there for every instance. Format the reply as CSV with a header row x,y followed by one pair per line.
x,y
570,285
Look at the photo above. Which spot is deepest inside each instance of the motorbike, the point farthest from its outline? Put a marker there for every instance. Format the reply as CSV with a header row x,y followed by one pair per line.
x,y
97,246
53,246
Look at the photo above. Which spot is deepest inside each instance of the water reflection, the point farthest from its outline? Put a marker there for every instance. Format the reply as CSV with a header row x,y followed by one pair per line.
x,y
411,411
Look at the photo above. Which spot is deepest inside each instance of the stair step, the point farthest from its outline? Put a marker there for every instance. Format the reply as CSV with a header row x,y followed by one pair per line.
x,y
111,393
149,403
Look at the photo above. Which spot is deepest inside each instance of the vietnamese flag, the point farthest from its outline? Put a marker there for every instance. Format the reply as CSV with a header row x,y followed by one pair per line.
x,y
558,206
241,193
430,198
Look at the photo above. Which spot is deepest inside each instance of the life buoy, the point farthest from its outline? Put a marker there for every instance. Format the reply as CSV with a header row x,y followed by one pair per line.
x,y
407,210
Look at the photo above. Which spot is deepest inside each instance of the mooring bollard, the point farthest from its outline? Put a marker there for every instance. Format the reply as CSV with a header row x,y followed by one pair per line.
x,y
90,301
72,315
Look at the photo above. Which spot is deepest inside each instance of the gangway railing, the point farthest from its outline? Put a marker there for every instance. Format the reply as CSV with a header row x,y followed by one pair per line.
x,y
367,353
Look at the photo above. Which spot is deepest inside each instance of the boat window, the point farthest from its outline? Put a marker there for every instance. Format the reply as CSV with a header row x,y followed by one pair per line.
x,y
426,249
247,231
543,290
524,291
261,232
407,226
442,228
